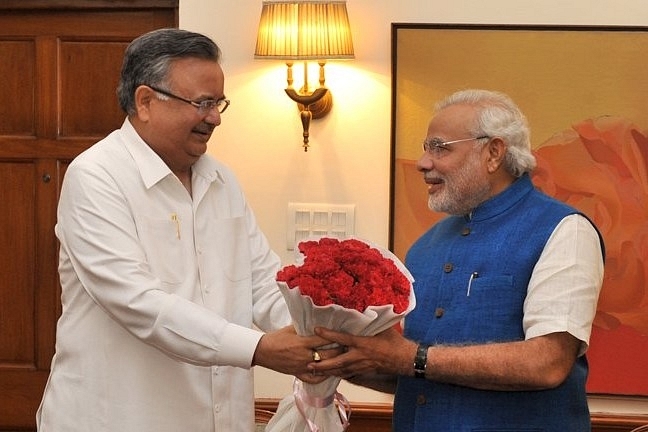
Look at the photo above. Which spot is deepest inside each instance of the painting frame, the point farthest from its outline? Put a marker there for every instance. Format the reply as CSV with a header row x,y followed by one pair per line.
x,y
447,57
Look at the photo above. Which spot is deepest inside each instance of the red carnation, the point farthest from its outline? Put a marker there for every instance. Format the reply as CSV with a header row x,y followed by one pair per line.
x,y
348,273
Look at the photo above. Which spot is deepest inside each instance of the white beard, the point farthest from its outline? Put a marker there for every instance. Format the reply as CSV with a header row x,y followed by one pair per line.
x,y
463,190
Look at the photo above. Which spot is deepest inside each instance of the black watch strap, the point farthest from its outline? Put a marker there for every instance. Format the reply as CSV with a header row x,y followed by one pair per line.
x,y
420,361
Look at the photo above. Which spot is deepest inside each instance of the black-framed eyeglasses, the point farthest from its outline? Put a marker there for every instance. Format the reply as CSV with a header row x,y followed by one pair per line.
x,y
204,106
437,148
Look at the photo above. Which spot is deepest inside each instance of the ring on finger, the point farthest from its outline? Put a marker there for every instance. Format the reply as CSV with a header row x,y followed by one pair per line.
x,y
316,356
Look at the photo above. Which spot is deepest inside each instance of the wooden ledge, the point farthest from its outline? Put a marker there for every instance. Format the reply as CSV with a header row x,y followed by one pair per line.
x,y
375,417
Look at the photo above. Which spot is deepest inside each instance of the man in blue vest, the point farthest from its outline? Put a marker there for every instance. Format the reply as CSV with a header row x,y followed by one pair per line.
x,y
506,289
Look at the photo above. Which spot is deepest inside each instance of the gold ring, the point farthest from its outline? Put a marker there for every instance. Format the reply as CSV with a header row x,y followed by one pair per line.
x,y
316,356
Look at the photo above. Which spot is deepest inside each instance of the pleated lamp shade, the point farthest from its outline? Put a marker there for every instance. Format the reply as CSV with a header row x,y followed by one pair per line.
x,y
304,30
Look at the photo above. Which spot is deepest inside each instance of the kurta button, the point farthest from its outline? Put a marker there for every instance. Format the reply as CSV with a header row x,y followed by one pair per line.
x,y
465,231
447,267
420,399
438,312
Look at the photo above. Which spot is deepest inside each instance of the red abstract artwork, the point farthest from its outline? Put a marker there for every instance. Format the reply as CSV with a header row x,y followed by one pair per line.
x,y
600,166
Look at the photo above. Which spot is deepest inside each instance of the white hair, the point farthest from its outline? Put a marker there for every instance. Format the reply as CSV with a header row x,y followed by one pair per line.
x,y
499,116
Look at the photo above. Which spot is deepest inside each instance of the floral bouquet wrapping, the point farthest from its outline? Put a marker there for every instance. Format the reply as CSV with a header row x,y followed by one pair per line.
x,y
348,286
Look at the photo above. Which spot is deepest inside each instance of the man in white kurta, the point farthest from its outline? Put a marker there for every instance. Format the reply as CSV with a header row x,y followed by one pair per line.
x,y
142,262
163,268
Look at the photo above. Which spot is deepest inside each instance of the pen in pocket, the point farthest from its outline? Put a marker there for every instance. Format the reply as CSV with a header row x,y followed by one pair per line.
x,y
473,276
176,219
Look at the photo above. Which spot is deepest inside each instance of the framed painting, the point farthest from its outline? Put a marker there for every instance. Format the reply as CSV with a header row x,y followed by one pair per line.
x,y
585,93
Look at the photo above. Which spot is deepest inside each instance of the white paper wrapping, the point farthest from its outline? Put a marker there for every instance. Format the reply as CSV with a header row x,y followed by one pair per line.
x,y
319,407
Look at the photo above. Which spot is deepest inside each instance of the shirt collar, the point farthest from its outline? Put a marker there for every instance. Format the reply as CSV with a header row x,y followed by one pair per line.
x,y
153,169
209,169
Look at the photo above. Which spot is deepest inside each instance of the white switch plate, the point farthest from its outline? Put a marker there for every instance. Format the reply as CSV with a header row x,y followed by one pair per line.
x,y
319,219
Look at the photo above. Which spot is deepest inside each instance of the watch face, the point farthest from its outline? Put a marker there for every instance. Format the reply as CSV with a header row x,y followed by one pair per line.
x,y
420,361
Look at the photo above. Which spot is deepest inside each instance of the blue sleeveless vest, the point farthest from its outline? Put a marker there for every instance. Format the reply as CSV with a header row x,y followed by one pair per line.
x,y
500,244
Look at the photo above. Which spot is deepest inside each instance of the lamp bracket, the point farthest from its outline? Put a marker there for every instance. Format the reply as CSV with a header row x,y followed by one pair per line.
x,y
319,102
306,99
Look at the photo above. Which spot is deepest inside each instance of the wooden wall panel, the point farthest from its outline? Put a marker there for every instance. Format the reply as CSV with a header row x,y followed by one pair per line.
x,y
17,92
82,23
89,109
17,337
87,5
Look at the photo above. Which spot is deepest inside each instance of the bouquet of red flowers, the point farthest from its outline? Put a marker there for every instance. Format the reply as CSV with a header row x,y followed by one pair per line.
x,y
349,286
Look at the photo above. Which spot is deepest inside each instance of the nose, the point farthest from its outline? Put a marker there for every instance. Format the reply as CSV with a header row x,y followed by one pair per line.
x,y
213,116
425,162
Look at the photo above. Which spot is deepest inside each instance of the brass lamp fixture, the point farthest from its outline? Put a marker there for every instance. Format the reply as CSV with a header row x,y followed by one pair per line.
x,y
305,30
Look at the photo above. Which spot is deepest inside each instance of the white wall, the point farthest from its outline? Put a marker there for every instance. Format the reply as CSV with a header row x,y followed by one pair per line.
x,y
348,161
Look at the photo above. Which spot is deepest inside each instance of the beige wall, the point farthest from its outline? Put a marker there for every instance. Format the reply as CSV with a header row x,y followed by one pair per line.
x,y
348,162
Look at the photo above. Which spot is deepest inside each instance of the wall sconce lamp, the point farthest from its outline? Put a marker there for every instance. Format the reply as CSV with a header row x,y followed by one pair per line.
x,y
305,30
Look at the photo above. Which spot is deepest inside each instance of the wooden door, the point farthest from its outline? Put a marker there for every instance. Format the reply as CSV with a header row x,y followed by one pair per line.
x,y
58,74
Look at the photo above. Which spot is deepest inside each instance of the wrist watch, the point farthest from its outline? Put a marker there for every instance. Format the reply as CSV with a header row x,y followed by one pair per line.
x,y
420,361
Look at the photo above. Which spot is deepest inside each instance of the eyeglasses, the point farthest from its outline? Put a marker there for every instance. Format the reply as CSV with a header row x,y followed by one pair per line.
x,y
204,106
437,148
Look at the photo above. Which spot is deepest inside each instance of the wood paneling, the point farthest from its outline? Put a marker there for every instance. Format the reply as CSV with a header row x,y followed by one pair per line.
x,y
60,67
83,64
18,68
29,299
51,5
17,337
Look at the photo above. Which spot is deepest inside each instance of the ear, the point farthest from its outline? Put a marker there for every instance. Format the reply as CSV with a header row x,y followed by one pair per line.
x,y
143,97
496,152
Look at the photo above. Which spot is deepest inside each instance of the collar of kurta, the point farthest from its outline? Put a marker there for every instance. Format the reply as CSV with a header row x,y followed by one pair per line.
x,y
153,169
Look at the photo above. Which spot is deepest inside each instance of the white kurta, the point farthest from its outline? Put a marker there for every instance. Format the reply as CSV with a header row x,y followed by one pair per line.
x,y
160,294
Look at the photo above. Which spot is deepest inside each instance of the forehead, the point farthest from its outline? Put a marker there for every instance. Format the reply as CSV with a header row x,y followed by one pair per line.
x,y
193,73
452,120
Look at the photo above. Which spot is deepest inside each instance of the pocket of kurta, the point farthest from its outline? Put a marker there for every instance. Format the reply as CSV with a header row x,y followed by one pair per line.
x,y
164,250
230,239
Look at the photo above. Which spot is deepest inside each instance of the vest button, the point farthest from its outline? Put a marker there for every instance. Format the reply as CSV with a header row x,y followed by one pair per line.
x,y
438,312
447,267
420,399
465,231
